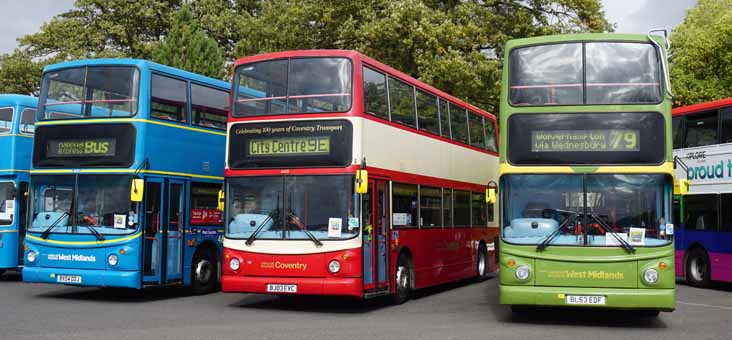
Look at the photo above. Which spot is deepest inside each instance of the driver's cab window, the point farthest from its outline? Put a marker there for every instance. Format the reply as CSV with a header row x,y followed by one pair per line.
x,y
7,203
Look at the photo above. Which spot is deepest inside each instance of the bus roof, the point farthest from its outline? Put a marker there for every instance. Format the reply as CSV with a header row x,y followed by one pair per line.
x,y
352,54
139,63
715,104
546,39
18,99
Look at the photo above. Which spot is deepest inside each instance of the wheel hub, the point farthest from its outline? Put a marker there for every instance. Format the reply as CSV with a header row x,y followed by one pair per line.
x,y
203,271
402,277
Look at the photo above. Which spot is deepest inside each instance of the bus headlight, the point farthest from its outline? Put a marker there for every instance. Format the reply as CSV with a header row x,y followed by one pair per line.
x,y
522,272
334,266
234,264
31,256
112,259
650,275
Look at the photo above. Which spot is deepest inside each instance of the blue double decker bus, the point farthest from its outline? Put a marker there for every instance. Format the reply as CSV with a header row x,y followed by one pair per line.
x,y
127,165
17,116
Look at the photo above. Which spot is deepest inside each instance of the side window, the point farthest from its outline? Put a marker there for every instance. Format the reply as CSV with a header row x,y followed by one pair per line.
x,y
478,210
677,212
374,93
677,131
209,106
401,99
404,203
447,207
204,197
169,99
461,208
726,132
427,112
477,137
27,121
430,205
701,129
6,120
444,119
700,212
726,225
458,124
490,135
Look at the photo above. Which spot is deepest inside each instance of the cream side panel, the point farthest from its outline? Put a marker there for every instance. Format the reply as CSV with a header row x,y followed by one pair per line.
x,y
290,247
396,149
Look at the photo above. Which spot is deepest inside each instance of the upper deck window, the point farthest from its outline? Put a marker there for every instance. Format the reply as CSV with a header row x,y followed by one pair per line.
x,y
285,86
168,98
28,121
209,106
94,91
585,73
6,119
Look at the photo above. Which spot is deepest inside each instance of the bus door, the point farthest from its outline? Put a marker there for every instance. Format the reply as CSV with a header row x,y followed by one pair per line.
x,y
173,231
376,236
152,238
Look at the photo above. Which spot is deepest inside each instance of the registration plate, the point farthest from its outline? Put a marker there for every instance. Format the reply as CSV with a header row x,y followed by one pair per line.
x,y
585,300
68,278
280,288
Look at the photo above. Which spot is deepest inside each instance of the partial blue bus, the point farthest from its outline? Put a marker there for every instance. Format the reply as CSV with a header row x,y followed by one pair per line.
x,y
17,116
128,161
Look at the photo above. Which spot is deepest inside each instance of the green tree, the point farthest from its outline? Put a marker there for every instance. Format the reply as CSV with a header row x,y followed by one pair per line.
x,y
701,54
188,47
19,74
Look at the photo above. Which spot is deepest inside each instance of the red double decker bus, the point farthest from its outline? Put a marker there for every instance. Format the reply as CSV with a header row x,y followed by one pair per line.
x,y
347,177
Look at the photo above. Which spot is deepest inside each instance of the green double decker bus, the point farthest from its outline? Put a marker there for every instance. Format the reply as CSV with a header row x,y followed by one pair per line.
x,y
586,173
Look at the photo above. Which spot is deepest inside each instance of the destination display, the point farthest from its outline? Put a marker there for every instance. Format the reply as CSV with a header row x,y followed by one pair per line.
x,y
84,145
586,138
290,146
96,147
321,143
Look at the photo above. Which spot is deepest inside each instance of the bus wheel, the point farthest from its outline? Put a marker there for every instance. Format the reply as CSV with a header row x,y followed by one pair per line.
x,y
482,263
698,269
203,272
403,280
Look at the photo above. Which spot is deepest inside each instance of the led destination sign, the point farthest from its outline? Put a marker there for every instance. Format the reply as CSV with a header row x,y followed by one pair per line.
x,y
290,146
97,147
584,140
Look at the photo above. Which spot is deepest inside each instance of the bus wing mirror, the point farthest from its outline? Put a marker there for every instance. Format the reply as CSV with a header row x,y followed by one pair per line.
x,y
220,204
490,195
681,187
362,181
137,189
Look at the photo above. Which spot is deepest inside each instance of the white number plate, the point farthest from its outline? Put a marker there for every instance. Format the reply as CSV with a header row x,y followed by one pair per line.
x,y
68,278
585,300
278,288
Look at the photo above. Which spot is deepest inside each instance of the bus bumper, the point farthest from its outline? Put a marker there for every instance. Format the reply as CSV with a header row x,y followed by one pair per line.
x,y
89,277
305,285
622,298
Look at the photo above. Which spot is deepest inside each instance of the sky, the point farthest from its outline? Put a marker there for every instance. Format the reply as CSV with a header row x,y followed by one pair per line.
x,y
21,17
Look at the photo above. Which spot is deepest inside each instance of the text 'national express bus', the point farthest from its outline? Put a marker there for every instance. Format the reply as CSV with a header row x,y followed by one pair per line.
x,y
347,177
128,161
702,137
586,173
17,117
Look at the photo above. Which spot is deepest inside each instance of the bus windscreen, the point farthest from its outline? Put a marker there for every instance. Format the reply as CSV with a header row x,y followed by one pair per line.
x,y
586,138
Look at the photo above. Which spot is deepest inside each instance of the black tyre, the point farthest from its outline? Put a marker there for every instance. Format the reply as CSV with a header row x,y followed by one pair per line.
x,y
203,273
698,269
482,263
402,280
649,313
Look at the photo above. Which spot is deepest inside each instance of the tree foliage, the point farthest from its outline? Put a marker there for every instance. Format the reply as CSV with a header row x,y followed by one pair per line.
x,y
701,54
455,45
189,48
19,74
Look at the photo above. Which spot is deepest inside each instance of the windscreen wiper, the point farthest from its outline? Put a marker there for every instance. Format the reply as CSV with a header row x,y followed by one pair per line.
x,y
312,237
628,248
45,233
545,243
251,238
95,233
